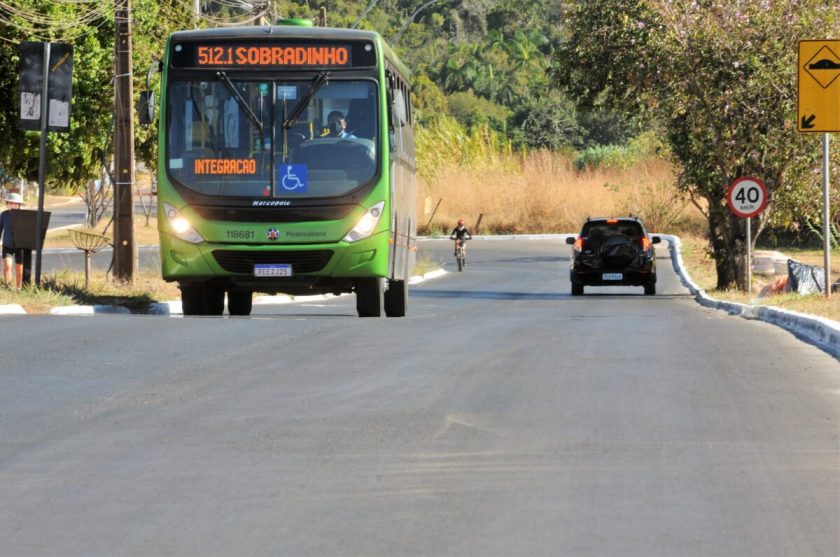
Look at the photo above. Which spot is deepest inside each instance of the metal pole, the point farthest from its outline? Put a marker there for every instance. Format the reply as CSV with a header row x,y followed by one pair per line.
x,y
749,256
87,269
42,164
826,217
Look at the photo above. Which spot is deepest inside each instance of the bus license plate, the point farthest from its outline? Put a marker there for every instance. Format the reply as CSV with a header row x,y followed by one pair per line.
x,y
281,270
612,276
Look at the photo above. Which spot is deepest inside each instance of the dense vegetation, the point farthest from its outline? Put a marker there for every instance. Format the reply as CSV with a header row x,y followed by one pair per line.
x,y
713,80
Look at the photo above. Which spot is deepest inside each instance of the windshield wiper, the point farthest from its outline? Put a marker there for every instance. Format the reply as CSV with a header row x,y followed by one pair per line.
x,y
319,81
242,103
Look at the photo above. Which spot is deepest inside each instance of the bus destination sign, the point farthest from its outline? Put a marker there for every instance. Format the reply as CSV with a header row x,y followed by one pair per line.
x,y
273,56
249,55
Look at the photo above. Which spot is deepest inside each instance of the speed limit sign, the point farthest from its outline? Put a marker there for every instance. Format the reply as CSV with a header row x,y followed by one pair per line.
x,y
747,197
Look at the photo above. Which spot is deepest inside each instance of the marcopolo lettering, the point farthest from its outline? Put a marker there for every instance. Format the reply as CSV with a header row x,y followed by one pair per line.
x,y
271,203
225,166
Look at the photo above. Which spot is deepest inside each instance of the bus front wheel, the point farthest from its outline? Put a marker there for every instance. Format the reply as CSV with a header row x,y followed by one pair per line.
x,y
202,298
369,294
396,298
192,299
240,302
214,296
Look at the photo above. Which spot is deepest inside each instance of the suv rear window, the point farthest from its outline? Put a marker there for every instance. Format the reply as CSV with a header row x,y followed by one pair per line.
x,y
603,229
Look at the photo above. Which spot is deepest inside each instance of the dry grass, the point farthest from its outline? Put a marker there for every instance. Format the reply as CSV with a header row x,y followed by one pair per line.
x,y
545,193
67,288
701,269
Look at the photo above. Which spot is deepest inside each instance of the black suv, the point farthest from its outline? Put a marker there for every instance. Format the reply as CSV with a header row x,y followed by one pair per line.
x,y
613,251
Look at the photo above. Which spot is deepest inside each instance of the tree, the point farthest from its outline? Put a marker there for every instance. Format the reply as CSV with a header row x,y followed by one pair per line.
x,y
549,122
154,21
719,79
427,98
472,111
76,157
73,157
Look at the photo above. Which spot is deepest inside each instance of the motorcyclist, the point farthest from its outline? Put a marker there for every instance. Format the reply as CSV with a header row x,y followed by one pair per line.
x,y
460,234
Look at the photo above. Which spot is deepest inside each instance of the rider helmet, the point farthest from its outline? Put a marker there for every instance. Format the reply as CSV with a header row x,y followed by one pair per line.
x,y
460,222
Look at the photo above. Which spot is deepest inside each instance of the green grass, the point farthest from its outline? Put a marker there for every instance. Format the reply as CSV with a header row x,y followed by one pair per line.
x,y
34,300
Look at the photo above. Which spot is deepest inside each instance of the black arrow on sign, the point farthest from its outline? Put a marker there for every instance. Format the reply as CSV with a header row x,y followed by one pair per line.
x,y
806,122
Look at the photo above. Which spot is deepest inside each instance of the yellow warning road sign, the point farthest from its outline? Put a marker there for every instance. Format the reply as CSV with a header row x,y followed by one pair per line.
x,y
818,79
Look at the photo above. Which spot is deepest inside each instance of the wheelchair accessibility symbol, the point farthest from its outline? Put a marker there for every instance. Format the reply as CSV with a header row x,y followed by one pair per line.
x,y
293,177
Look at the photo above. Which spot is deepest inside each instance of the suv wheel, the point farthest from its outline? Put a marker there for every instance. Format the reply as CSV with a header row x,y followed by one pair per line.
x,y
650,288
577,289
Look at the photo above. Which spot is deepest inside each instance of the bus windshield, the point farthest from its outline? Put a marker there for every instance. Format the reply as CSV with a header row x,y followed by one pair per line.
x,y
227,137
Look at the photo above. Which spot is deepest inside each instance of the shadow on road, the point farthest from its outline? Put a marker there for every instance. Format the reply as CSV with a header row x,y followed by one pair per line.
x,y
488,294
533,259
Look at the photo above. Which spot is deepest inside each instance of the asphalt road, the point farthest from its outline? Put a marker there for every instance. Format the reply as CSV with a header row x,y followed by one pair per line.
x,y
502,417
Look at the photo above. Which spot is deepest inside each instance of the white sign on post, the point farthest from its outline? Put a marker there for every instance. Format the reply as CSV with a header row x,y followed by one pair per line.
x,y
747,197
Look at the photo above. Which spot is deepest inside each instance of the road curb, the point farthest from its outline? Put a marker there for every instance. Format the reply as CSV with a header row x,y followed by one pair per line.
x,y
12,309
89,310
819,331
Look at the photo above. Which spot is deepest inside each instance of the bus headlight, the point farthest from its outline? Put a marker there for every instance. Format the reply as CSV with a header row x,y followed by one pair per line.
x,y
365,225
181,226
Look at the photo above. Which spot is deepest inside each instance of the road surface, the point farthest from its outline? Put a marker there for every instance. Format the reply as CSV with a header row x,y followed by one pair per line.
x,y
502,417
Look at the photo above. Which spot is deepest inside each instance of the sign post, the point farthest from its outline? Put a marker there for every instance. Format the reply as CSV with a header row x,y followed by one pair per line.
x,y
42,162
46,71
747,197
818,111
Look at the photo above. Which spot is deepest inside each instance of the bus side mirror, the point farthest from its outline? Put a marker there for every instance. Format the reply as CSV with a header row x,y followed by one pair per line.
x,y
656,240
570,240
146,108
146,104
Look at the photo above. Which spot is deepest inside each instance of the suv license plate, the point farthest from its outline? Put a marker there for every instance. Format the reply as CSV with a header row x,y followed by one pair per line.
x,y
612,276
282,270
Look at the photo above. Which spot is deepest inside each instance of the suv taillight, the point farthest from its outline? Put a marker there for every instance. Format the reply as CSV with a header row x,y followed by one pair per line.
x,y
646,243
579,245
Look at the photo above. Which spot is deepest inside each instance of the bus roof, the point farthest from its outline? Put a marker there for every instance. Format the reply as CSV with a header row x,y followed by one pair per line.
x,y
293,32
261,31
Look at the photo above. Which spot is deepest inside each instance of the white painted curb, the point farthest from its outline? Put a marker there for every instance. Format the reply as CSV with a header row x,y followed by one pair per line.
x,y
12,309
819,331
89,310
165,308
427,276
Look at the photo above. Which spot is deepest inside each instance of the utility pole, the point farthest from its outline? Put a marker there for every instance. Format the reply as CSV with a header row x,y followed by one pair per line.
x,y
125,252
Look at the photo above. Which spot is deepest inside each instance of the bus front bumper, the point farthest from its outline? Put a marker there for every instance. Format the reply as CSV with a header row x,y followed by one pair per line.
x,y
328,267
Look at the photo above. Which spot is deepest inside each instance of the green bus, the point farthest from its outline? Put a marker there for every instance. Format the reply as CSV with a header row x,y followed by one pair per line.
x,y
286,165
